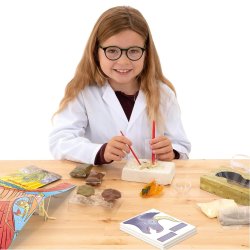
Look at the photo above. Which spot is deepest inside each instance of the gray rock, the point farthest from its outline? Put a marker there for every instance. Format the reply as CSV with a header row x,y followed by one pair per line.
x,y
81,171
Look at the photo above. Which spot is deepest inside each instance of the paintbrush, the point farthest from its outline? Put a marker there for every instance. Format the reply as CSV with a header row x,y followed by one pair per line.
x,y
132,152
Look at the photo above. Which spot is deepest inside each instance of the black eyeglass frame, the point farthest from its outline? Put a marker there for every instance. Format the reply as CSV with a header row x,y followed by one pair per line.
x,y
126,50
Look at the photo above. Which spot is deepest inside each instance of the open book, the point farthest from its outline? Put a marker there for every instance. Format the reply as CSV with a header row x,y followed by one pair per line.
x,y
28,178
158,229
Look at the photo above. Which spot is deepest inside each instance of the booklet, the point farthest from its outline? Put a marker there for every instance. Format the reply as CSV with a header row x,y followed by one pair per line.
x,y
158,229
28,178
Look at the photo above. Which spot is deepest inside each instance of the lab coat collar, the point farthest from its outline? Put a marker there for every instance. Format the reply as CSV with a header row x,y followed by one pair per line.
x,y
110,98
139,107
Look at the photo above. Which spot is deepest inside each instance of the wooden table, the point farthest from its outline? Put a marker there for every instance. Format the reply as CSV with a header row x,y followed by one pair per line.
x,y
95,227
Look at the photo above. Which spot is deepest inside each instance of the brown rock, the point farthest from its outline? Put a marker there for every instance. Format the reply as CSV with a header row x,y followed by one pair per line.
x,y
94,178
111,194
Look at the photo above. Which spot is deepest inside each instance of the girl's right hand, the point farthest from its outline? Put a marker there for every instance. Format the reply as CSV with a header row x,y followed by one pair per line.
x,y
117,148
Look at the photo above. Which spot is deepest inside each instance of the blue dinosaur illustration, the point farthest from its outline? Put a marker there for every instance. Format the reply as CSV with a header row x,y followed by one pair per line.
x,y
146,221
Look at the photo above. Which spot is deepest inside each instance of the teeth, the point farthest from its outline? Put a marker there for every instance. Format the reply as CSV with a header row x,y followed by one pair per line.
x,y
122,70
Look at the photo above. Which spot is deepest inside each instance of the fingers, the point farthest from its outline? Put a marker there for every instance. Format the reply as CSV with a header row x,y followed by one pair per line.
x,y
117,148
162,147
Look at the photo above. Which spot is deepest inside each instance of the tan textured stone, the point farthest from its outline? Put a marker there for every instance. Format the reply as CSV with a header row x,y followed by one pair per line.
x,y
224,188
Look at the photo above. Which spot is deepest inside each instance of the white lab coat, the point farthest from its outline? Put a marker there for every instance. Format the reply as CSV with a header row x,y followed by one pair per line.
x,y
96,115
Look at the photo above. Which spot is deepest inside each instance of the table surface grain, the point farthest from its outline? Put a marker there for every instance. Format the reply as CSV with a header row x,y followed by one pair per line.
x,y
79,226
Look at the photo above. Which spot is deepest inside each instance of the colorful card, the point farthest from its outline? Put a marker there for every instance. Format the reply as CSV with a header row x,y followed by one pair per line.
x,y
28,178
17,206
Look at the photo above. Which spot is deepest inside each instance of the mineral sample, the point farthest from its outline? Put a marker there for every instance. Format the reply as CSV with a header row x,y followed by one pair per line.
x,y
227,184
151,189
94,178
111,194
85,190
81,171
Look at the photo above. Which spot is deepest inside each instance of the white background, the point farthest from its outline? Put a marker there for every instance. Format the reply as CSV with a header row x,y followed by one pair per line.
x,y
204,47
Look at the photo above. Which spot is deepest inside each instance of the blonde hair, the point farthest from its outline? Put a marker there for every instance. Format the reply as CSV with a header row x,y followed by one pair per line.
x,y
88,71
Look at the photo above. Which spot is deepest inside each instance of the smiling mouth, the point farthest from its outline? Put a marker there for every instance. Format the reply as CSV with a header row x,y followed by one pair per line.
x,y
122,71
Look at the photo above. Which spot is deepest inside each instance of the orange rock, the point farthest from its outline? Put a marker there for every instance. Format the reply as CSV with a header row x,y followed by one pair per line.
x,y
151,189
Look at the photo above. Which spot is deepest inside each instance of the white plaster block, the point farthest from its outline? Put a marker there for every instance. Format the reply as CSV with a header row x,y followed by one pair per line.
x,y
162,173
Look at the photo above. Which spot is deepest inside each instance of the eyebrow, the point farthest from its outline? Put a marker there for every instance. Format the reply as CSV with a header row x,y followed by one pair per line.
x,y
133,46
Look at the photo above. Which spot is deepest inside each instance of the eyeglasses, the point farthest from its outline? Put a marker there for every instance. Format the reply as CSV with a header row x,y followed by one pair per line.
x,y
114,53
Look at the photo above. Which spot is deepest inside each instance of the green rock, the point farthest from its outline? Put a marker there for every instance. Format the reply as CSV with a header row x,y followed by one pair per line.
x,y
85,190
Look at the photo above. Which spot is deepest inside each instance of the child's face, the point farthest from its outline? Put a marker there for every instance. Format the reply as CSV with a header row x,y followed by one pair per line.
x,y
123,71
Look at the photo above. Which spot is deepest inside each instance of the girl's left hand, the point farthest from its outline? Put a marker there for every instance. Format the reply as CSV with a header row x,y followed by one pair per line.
x,y
162,147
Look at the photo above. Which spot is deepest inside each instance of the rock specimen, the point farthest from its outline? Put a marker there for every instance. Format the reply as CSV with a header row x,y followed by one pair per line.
x,y
85,190
227,183
151,189
111,194
81,171
94,178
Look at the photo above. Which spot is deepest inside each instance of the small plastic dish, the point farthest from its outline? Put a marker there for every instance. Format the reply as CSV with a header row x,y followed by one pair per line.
x,y
182,185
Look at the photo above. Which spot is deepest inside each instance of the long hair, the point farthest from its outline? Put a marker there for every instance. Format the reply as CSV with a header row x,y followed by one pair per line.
x,y
88,71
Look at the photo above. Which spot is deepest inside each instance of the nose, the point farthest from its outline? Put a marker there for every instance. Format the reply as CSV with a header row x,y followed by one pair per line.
x,y
123,57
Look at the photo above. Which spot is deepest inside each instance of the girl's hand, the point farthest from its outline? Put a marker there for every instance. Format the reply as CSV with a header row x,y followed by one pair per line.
x,y
117,148
162,147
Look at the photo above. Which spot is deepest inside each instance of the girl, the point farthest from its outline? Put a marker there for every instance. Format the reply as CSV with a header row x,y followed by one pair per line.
x,y
118,87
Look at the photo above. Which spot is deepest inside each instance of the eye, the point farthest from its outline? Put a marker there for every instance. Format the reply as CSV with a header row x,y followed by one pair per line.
x,y
134,51
112,50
